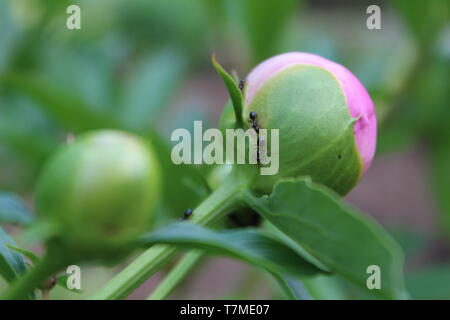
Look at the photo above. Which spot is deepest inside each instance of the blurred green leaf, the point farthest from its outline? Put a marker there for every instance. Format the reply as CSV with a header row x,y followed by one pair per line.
x,y
424,18
440,177
20,121
40,231
12,264
151,87
325,287
431,96
336,234
155,24
263,22
13,209
183,186
411,241
64,107
18,141
249,245
93,70
430,283
396,137
290,288
8,34
318,287
216,15
26,253
422,111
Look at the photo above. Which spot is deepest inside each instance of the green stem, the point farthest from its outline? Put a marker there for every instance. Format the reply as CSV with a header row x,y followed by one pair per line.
x,y
176,275
44,269
223,200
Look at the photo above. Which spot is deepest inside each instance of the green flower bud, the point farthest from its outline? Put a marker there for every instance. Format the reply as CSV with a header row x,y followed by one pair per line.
x,y
325,117
99,193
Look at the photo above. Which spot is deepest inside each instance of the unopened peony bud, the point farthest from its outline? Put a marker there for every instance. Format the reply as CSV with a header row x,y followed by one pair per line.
x,y
326,120
99,192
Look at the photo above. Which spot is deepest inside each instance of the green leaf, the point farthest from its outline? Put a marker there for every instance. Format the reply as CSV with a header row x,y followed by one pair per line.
x,y
294,245
336,234
396,136
12,264
440,176
319,287
18,141
324,287
13,209
430,283
264,23
64,107
40,231
290,290
249,245
27,253
151,87
9,34
424,18
412,242
233,90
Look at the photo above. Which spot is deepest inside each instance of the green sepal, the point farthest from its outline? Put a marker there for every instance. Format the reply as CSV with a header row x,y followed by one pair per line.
x,y
233,90
27,253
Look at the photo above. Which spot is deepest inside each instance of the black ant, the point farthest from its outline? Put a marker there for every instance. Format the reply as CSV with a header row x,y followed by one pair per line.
x,y
255,127
187,214
241,84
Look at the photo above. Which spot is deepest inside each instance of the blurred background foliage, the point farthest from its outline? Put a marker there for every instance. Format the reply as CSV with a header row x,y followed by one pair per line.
x,y
144,66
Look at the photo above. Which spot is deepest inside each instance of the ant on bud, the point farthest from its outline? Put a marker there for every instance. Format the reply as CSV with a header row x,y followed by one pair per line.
x,y
252,120
241,84
255,127
187,214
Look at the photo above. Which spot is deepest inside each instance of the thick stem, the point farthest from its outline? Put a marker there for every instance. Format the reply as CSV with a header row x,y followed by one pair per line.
x,y
21,289
223,200
176,275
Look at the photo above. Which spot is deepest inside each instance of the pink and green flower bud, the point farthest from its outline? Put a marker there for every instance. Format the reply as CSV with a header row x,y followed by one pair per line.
x,y
326,119
99,192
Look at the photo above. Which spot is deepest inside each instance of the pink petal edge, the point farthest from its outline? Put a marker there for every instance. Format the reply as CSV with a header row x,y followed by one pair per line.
x,y
358,100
